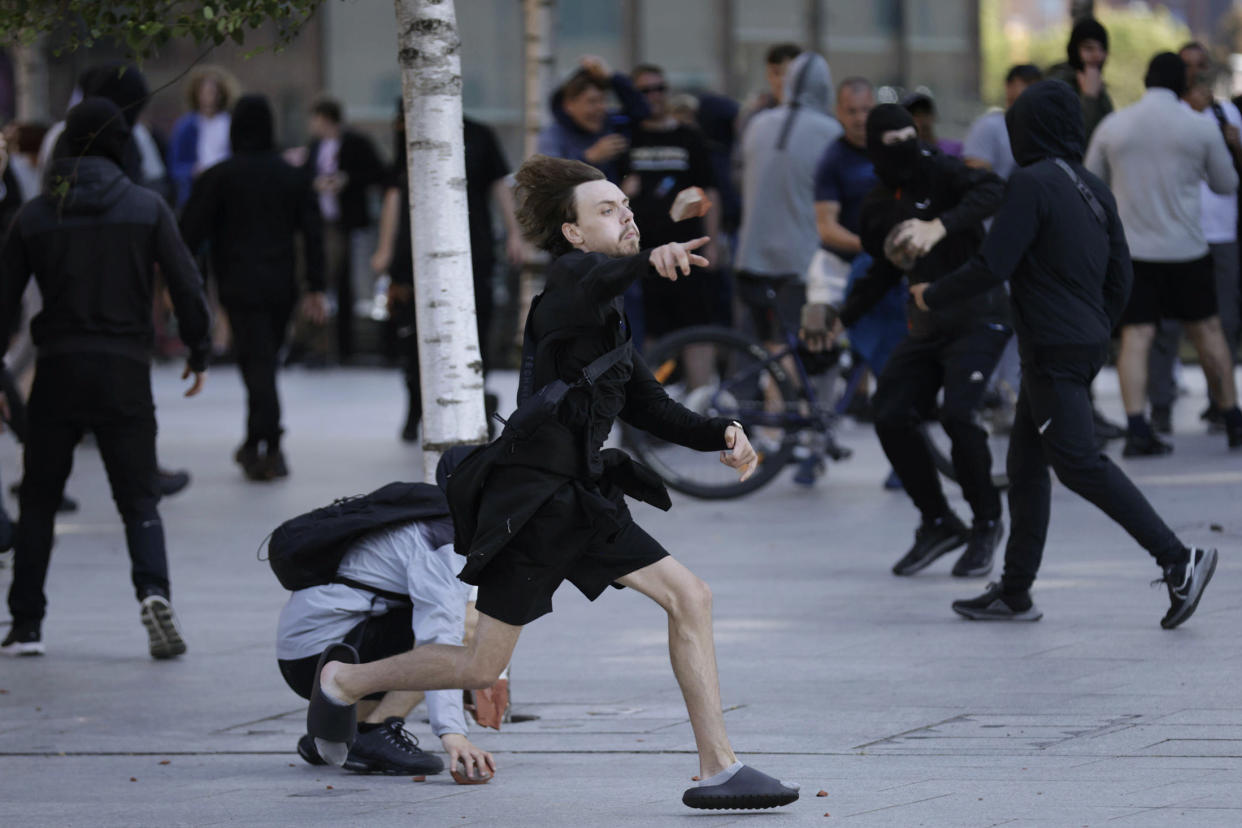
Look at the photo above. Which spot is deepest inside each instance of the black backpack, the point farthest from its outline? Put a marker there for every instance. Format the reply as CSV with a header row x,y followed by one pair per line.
x,y
305,551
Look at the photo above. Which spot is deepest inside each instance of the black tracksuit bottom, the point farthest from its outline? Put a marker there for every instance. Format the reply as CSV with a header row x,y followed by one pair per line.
x,y
109,395
258,334
905,397
1054,427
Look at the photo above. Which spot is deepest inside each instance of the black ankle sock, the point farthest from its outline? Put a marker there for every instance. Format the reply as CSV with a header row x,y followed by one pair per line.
x,y
1233,417
367,727
1138,426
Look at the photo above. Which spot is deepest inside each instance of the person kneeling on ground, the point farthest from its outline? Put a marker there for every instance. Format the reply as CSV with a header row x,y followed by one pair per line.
x,y
395,586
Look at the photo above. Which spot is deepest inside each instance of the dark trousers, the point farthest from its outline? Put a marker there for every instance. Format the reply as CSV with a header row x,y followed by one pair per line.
x,y
111,396
905,396
338,258
1054,427
258,334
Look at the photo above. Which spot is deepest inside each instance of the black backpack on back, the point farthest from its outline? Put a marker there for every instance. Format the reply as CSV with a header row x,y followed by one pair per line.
x,y
305,551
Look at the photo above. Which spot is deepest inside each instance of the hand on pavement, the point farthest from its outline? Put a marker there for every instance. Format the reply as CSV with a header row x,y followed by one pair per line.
x,y
741,455
670,258
199,378
460,750
918,236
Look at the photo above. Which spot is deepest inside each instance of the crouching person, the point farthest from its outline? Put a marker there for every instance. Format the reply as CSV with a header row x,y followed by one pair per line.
x,y
395,587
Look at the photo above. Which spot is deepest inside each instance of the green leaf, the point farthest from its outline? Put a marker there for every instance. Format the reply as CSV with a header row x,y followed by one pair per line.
x,y
209,13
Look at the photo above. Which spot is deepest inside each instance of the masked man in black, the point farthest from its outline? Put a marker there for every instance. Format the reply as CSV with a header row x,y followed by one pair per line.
x,y
1059,242
922,221
550,505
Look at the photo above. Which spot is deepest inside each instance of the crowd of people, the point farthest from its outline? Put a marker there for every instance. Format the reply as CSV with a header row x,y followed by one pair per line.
x,y
1010,260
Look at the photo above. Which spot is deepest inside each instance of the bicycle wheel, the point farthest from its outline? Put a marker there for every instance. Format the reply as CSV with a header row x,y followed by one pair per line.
x,y
744,383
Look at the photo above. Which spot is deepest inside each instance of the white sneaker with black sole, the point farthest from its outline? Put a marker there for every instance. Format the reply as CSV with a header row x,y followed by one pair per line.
x,y
1186,583
163,631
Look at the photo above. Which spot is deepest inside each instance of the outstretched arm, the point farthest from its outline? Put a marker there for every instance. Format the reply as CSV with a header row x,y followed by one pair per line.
x,y
649,407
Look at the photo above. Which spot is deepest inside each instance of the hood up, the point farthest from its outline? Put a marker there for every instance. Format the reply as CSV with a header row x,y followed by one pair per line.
x,y
121,83
808,85
1046,122
250,129
1086,29
894,163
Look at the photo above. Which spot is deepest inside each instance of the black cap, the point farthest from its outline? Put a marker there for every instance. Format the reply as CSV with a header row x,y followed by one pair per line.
x,y
96,127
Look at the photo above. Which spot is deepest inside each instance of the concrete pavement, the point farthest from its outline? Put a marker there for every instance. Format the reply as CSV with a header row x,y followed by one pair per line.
x,y
835,674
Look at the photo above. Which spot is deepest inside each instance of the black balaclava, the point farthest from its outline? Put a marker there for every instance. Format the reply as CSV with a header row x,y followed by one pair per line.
x,y
250,129
1166,71
894,163
1086,29
96,127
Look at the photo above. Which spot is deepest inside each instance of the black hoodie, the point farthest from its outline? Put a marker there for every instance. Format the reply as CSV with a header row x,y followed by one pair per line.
x,y
251,207
1069,273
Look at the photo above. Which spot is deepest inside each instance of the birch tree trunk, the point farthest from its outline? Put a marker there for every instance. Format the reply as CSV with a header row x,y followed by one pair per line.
x,y
539,21
31,82
428,50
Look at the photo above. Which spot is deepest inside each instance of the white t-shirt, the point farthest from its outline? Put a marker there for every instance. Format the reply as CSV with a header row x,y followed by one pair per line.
x,y
213,140
327,162
1220,212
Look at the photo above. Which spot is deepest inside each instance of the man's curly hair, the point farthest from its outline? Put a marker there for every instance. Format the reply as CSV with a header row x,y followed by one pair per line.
x,y
545,199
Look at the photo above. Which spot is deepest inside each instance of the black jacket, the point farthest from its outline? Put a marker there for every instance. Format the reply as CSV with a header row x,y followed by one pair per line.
x,y
1069,274
961,197
579,317
93,254
250,208
363,170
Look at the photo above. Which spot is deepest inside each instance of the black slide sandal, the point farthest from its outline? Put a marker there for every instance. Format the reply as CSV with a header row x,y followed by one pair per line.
x,y
332,726
748,789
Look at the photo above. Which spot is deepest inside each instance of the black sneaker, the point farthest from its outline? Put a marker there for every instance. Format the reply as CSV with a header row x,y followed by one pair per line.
x,y
1234,430
1105,429
24,639
251,462
1214,418
1186,583
392,750
931,540
997,605
163,631
276,467
308,751
1149,445
1162,419
171,482
976,561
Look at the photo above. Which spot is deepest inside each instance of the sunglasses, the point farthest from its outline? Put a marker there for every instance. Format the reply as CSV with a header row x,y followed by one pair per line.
x,y
659,87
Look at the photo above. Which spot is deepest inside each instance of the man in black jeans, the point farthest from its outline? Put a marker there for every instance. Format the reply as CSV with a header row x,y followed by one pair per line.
x,y
1059,242
927,213
251,208
93,242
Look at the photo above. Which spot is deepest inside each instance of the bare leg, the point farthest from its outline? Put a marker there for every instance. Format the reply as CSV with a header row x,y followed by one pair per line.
x,y
1132,366
428,667
692,650
1209,340
397,703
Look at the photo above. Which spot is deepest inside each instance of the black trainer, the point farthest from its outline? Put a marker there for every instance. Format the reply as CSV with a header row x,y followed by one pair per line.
x,y
392,750
1234,430
1213,418
1105,429
1145,445
24,639
308,751
1186,582
275,465
251,462
171,482
1162,419
976,561
996,605
931,540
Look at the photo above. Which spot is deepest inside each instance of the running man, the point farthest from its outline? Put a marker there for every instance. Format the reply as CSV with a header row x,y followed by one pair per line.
x,y
1059,242
554,509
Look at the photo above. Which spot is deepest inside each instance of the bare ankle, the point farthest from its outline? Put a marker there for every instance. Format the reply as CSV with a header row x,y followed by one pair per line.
x,y
332,683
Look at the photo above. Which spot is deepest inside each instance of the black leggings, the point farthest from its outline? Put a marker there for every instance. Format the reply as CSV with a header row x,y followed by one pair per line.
x,y
1054,427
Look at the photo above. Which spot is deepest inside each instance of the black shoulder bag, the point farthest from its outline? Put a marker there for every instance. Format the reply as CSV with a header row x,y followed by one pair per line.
x,y
1097,209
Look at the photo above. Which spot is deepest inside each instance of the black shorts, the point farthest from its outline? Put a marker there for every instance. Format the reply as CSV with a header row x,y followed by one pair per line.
x,y
1185,291
691,300
774,302
379,636
566,540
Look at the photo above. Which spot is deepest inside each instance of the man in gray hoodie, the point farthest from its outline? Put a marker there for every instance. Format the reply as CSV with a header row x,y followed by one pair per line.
x,y
778,237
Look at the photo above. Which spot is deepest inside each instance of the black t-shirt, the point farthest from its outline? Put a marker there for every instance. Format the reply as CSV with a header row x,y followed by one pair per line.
x,y
666,162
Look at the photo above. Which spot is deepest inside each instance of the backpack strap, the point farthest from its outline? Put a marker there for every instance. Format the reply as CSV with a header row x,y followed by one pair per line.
x,y
395,597
1097,209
